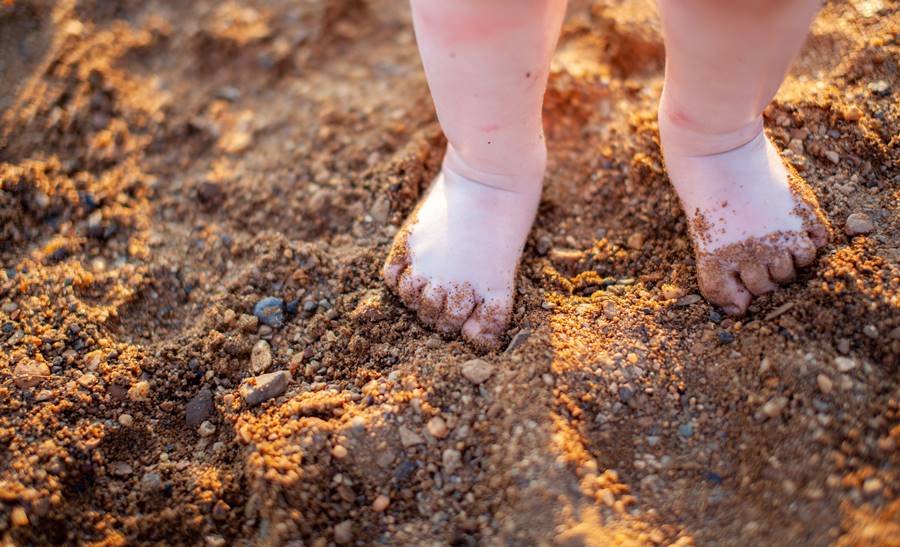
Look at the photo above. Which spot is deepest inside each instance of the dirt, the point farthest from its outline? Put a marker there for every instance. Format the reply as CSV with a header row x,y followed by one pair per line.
x,y
166,165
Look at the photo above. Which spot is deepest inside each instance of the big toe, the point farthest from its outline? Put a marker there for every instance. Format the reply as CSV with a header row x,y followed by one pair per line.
x,y
720,285
410,288
485,326
395,264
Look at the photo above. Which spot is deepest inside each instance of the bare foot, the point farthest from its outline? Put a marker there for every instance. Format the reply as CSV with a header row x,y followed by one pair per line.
x,y
454,261
753,220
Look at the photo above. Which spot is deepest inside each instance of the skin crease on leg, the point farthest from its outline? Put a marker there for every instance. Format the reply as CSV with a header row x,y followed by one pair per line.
x,y
454,261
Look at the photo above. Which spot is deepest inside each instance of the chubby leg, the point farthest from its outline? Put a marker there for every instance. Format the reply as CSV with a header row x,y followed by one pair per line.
x,y
486,62
753,220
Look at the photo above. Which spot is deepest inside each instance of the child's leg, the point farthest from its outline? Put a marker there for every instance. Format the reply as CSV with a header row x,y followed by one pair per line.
x,y
751,220
486,62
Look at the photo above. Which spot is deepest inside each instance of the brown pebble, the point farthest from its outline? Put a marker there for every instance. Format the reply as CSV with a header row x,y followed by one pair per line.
x,y
262,388
140,391
825,384
477,370
206,429
381,503
872,486
29,373
635,241
437,427
19,517
343,532
339,452
409,438
844,364
200,408
774,406
260,357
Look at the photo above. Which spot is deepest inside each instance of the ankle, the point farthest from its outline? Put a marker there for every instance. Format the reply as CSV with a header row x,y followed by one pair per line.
x,y
693,135
525,174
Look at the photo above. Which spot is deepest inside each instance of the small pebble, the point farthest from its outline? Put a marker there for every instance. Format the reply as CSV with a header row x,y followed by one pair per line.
x,y
125,420
260,357
120,469
853,114
29,373
725,337
688,300
477,370
833,156
381,503
437,427
200,408
206,429
87,380
881,87
844,364
451,459
871,331
18,517
686,431
210,194
672,292
520,338
825,384
140,391
339,452
261,388
220,510
635,241
409,437
343,532
774,406
270,311
151,482
872,486
858,223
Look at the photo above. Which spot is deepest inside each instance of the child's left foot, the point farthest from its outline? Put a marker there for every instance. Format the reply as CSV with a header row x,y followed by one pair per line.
x,y
752,220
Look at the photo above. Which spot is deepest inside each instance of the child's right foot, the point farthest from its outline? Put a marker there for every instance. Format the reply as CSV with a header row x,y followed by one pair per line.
x,y
454,261
752,220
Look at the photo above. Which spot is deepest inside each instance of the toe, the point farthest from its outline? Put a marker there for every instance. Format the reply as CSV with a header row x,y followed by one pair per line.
x,y
396,263
459,305
431,303
781,267
485,326
755,277
804,252
719,284
410,288
819,235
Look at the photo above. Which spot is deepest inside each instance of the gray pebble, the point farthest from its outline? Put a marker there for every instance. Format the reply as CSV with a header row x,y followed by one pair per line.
x,y
270,311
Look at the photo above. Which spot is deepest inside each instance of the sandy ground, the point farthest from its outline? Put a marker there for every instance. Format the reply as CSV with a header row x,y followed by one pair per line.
x,y
165,166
